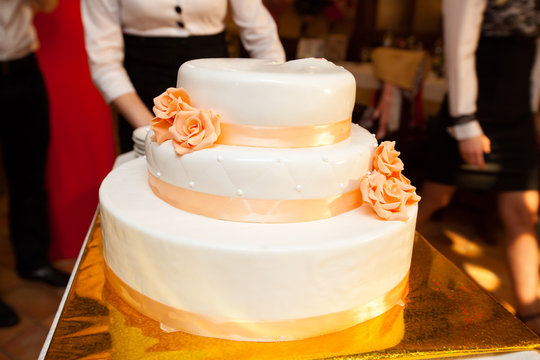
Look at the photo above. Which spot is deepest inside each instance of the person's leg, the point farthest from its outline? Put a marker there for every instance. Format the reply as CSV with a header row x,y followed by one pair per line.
x,y
25,157
435,196
518,211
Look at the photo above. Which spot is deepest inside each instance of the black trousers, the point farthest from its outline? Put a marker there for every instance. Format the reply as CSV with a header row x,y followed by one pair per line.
x,y
25,138
152,64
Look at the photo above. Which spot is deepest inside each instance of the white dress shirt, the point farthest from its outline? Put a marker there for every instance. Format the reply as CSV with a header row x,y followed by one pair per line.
x,y
106,20
18,36
462,21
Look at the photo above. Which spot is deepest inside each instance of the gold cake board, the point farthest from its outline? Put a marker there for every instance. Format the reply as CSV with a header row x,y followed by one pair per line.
x,y
445,314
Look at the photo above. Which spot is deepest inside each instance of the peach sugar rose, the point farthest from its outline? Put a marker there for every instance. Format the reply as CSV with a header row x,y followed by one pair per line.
x,y
189,128
387,190
194,130
386,159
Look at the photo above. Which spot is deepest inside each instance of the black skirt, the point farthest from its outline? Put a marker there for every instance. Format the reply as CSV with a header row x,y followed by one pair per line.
x,y
503,68
152,64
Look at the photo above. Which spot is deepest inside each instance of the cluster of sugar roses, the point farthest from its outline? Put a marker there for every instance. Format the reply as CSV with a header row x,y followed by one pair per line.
x,y
385,188
189,128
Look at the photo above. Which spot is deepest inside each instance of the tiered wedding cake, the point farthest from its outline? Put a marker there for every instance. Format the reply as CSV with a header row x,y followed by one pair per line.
x,y
260,212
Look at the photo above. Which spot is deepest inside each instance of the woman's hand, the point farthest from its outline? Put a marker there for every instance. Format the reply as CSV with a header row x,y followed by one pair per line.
x,y
133,109
472,150
382,111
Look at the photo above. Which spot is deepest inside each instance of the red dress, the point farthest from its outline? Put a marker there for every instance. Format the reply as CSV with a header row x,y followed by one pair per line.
x,y
81,150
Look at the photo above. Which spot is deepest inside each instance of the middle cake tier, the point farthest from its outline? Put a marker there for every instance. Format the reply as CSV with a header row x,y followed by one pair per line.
x,y
266,185
266,173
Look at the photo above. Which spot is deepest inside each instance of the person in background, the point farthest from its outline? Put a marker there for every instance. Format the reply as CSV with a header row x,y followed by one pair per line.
x,y
24,139
136,47
485,137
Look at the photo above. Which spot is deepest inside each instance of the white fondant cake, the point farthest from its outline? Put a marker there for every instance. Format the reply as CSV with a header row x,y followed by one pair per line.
x,y
248,279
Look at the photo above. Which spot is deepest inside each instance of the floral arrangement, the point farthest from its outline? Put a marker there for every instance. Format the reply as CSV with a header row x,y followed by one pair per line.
x,y
189,128
386,189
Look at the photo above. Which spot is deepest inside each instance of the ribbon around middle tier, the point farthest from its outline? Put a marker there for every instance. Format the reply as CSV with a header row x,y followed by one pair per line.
x,y
254,210
284,136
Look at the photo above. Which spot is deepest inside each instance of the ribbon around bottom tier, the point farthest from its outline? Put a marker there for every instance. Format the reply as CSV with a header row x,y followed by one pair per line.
x,y
252,330
254,210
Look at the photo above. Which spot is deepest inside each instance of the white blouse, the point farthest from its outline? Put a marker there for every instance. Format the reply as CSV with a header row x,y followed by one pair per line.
x,y
106,20
462,21
18,36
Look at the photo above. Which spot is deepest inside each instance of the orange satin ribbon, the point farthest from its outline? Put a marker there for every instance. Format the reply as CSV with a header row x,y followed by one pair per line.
x,y
284,136
254,210
236,329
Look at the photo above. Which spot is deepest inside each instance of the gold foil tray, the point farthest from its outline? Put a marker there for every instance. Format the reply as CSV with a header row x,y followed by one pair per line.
x,y
445,314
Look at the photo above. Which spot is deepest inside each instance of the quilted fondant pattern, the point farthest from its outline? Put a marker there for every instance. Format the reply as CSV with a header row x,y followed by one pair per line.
x,y
266,173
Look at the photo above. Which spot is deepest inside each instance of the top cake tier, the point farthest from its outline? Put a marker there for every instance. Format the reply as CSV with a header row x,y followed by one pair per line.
x,y
305,92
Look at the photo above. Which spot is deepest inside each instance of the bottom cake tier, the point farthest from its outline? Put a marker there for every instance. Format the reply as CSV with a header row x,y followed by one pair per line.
x,y
249,281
